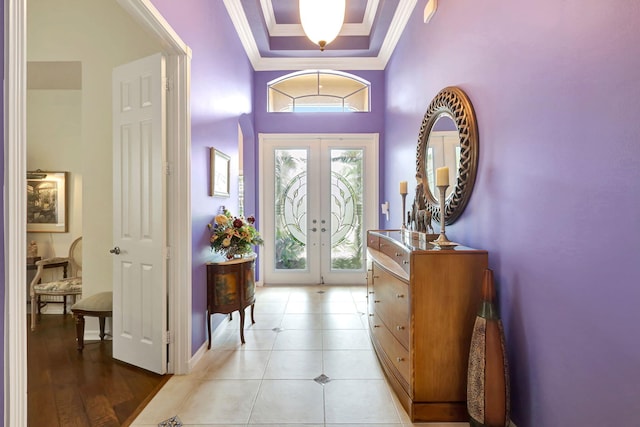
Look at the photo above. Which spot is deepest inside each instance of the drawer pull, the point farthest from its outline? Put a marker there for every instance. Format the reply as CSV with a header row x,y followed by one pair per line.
x,y
405,262
400,359
376,301
376,277
371,315
399,295
398,254
371,292
400,328
376,326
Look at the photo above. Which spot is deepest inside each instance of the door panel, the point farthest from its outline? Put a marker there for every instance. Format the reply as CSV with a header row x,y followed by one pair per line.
x,y
320,196
139,220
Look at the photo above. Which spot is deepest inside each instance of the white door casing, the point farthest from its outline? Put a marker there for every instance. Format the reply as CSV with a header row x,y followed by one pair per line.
x,y
179,212
139,219
317,223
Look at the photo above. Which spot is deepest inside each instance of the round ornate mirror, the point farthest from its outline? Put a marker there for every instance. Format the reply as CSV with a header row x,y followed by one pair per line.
x,y
448,137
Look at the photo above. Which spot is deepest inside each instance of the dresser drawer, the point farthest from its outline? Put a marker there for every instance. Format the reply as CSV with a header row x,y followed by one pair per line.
x,y
373,241
399,356
399,254
391,304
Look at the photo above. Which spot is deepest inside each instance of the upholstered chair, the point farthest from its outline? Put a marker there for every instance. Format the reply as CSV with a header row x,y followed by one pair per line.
x,y
71,285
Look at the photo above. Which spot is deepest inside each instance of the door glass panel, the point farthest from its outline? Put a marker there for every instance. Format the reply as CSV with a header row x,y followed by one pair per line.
x,y
290,206
347,187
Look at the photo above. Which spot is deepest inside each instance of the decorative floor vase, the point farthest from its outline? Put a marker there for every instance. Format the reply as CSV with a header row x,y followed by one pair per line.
x,y
488,376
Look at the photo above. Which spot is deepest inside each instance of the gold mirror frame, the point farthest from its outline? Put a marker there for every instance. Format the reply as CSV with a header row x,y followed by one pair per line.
x,y
450,102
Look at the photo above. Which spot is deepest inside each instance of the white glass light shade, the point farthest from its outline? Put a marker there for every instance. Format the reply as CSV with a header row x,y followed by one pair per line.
x,y
322,19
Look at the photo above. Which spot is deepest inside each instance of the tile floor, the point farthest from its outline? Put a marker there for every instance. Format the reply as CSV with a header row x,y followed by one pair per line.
x,y
300,334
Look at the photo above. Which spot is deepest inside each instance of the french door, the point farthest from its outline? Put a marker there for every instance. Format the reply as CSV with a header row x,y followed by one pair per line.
x,y
319,197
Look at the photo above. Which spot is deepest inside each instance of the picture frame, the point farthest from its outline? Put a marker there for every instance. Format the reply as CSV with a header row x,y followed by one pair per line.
x,y
47,202
220,173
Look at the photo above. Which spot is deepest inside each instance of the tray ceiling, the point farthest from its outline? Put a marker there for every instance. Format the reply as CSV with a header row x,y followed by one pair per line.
x,y
273,38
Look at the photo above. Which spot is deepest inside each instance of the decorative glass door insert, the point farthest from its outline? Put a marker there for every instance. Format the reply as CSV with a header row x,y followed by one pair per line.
x,y
319,214
291,209
347,185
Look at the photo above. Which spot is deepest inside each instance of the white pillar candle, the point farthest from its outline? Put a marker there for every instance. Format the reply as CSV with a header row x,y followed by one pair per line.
x,y
442,176
403,187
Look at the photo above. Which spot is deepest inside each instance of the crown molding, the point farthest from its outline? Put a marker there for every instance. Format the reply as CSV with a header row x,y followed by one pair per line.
x,y
400,19
330,63
259,63
241,24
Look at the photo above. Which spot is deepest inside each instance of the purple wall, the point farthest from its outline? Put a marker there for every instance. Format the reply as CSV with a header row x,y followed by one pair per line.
x,y
555,90
556,93
2,270
221,82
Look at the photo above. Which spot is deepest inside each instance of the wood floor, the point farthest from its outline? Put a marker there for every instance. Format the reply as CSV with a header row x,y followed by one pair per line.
x,y
66,388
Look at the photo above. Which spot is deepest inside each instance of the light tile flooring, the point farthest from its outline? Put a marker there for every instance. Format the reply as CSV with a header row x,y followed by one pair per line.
x,y
300,334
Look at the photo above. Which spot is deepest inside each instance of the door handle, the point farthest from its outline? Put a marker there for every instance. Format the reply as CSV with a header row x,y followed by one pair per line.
x,y
115,251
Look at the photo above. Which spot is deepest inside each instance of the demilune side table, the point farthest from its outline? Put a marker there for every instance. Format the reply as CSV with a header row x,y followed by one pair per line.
x,y
230,287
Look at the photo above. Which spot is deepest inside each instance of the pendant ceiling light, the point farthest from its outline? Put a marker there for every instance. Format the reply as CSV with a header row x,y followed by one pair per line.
x,y
322,20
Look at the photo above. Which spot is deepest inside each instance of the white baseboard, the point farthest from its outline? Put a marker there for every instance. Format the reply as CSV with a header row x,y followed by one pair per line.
x,y
55,307
222,326
92,329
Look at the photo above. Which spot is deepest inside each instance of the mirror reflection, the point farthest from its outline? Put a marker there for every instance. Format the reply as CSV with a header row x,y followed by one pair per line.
x,y
443,149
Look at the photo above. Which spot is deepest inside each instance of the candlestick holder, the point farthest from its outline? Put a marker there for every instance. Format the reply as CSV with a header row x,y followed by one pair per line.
x,y
442,240
404,218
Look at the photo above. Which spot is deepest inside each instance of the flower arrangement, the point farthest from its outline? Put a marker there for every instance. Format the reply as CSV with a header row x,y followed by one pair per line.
x,y
232,236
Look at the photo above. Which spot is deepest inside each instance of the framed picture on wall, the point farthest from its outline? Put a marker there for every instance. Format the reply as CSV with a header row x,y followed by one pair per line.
x,y
47,202
220,178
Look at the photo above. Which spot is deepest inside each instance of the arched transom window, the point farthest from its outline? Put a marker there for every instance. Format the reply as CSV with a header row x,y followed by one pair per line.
x,y
318,91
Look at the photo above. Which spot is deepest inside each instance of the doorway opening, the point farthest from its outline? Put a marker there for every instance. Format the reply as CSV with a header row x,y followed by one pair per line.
x,y
319,198
178,213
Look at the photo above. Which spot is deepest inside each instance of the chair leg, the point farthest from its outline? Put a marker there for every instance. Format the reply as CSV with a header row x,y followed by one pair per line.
x,y
102,321
33,312
80,331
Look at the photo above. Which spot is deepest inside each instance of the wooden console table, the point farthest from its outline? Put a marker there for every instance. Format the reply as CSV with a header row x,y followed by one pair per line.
x,y
422,304
230,287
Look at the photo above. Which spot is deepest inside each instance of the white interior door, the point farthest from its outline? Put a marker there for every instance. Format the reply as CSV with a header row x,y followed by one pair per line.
x,y
139,219
319,198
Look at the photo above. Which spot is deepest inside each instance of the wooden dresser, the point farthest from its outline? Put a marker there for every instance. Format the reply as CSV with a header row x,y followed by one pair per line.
x,y
422,304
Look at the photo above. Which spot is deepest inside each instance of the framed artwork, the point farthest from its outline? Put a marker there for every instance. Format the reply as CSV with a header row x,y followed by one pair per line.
x,y
47,202
220,162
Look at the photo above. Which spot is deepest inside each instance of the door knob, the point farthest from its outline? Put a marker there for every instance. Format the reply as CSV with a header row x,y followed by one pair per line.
x,y
323,229
115,251
314,229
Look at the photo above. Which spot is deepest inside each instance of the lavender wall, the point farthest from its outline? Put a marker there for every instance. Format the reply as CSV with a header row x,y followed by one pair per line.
x,y
2,270
221,82
371,122
556,93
